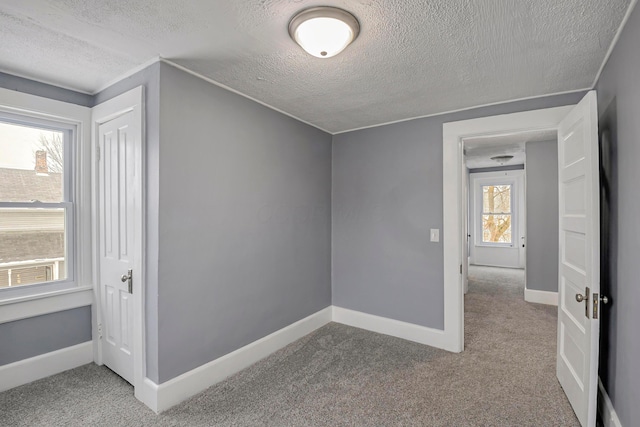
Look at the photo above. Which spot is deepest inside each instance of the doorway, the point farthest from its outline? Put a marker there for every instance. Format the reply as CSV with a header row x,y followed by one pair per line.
x,y
495,217
578,258
512,199
455,196
118,213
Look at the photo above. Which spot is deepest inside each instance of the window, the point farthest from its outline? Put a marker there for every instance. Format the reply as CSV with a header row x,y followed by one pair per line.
x,y
496,214
36,202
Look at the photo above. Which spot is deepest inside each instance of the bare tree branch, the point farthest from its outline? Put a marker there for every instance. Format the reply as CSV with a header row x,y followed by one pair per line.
x,y
497,225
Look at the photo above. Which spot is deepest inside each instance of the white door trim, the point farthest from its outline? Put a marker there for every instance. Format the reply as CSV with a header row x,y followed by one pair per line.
x,y
131,101
453,174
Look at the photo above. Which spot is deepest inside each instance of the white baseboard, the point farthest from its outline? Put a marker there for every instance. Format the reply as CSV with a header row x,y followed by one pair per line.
x,y
541,297
148,394
28,370
605,408
396,328
161,397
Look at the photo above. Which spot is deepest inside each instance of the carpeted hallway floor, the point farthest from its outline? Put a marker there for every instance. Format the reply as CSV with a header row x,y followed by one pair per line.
x,y
343,376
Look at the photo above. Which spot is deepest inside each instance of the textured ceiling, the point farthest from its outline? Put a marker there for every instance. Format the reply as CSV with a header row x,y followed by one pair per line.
x,y
412,58
479,150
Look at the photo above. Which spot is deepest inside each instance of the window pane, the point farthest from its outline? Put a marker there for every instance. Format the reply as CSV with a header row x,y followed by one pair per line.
x,y
31,164
496,198
496,228
32,246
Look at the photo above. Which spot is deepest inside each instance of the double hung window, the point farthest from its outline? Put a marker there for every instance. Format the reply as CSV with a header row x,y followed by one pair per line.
x,y
496,214
36,202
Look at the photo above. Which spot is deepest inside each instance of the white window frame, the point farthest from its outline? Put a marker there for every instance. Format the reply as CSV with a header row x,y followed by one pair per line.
x,y
479,210
67,203
24,301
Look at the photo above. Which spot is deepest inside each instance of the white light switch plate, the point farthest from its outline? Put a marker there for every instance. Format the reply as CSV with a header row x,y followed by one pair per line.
x,y
435,234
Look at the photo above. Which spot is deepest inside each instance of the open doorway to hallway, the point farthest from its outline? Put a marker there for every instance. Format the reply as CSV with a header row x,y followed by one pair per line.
x,y
512,266
578,293
512,211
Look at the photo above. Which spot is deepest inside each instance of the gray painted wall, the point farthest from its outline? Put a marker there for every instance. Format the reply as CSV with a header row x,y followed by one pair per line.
x,y
268,178
149,78
542,215
619,109
32,87
245,240
387,194
34,336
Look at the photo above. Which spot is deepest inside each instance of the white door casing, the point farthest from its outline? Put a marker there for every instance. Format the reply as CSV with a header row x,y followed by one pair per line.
x,y
579,263
118,210
466,230
453,134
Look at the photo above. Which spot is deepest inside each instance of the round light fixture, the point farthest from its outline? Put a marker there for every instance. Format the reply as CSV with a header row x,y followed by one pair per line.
x,y
324,31
502,159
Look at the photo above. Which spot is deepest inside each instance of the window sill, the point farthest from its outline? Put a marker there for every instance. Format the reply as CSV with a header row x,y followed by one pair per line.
x,y
36,305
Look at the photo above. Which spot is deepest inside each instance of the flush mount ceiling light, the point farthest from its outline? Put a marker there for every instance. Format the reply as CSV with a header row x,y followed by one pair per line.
x,y
324,31
501,159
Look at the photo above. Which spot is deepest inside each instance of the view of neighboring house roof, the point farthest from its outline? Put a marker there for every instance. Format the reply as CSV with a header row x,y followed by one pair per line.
x,y
30,234
30,246
20,185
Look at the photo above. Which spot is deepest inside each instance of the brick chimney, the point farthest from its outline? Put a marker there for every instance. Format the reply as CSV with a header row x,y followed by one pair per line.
x,y
41,163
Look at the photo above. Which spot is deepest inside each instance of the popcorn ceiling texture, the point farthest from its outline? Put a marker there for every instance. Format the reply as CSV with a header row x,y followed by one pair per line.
x,y
412,57
478,150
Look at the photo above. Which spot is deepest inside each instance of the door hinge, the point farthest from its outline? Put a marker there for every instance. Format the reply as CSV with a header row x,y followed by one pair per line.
x,y
460,268
100,331
98,152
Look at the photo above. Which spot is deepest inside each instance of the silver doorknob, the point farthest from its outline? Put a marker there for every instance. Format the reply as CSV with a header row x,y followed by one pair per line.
x,y
580,297
604,299
128,278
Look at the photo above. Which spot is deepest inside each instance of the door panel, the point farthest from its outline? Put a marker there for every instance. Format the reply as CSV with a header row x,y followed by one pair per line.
x,y
579,263
574,311
116,179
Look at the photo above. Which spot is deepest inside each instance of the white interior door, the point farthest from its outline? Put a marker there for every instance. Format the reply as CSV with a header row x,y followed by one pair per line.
x,y
116,211
579,272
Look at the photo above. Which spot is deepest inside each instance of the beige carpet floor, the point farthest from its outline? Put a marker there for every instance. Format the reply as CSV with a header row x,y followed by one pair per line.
x,y
344,376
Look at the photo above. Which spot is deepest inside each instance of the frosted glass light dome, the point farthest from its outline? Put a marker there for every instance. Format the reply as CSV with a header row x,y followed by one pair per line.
x,y
324,31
